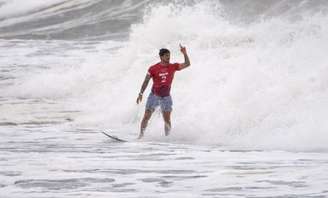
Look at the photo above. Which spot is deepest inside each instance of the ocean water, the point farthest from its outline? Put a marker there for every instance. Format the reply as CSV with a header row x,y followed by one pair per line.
x,y
249,115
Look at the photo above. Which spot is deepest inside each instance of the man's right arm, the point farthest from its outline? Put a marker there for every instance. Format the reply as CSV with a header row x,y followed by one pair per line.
x,y
143,88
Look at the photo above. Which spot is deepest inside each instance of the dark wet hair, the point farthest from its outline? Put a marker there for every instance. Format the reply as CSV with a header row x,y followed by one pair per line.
x,y
163,51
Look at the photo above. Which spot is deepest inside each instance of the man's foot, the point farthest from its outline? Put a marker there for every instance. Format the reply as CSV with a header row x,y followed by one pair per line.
x,y
167,129
140,136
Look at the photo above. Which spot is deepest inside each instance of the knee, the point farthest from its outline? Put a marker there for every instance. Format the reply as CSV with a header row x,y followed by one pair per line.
x,y
147,116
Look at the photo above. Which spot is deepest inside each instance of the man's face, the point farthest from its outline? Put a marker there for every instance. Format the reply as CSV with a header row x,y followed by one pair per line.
x,y
166,58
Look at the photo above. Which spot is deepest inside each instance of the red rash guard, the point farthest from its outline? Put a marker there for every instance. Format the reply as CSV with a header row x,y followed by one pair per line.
x,y
162,76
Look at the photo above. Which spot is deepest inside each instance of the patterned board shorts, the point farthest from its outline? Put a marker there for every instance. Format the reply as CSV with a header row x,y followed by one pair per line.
x,y
154,101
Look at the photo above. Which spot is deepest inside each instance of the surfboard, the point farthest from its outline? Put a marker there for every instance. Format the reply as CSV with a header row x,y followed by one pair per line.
x,y
114,137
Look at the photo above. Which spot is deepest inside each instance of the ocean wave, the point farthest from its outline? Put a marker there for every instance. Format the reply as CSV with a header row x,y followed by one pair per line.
x,y
103,19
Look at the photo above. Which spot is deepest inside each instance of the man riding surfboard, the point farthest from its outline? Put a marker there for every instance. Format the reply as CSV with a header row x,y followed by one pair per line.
x,y
162,74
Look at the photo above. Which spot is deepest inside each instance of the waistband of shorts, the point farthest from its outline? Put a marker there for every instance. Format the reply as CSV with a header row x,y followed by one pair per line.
x,y
152,93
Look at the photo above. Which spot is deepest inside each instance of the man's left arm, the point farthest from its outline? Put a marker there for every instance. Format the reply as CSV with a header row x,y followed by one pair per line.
x,y
186,58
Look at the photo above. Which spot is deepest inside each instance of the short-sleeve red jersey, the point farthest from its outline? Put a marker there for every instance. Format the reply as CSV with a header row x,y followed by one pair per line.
x,y
162,76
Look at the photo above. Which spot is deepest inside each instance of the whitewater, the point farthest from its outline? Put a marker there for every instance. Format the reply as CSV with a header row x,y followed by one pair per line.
x,y
248,115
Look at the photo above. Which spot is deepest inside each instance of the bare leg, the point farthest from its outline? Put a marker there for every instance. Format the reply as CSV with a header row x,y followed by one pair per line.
x,y
144,122
167,122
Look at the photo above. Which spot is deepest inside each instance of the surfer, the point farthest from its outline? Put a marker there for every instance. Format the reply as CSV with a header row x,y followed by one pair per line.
x,y
162,74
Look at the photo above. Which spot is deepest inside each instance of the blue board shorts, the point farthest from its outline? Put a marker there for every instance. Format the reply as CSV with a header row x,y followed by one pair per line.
x,y
154,101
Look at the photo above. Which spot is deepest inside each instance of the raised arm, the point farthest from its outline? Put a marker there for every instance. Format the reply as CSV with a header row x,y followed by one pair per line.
x,y
186,58
143,88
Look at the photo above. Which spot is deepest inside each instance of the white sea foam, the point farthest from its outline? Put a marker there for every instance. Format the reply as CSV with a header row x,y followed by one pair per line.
x,y
262,85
